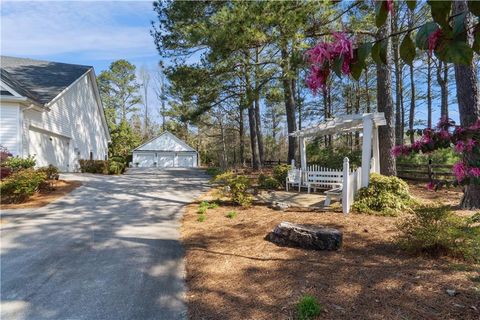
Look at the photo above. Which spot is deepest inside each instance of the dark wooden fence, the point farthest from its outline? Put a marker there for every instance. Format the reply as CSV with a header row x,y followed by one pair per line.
x,y
425,172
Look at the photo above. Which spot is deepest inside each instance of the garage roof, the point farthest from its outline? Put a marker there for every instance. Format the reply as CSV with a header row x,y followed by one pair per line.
x,y
167,141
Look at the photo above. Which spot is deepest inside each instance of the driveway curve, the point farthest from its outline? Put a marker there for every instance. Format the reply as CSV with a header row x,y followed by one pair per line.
x,y
108,250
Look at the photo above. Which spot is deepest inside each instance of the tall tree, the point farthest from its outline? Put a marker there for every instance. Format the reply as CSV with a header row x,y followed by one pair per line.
x,y
468,103
385,103
145,78
119,88
119,93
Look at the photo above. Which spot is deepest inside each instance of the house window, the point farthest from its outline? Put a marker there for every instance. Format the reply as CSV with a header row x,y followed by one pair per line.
x,y
91,155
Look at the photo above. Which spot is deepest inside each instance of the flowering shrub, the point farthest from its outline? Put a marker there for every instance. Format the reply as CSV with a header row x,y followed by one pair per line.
x,y
325,55
465,141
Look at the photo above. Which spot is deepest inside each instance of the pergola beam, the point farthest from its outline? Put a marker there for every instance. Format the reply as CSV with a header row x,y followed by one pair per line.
x,y
367,122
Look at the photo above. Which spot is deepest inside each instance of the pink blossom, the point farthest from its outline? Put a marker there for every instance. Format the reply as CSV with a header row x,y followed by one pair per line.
x,y
458,131
389,5
317,79
342,45
417,145
319,54
433,40
474,172
470,145
460,146
444,122
397,151
426,139
459,170
444,134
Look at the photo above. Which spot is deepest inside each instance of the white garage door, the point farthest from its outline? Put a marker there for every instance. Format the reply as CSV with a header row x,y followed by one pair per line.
x,y
165,161
48,149
186,161
145,160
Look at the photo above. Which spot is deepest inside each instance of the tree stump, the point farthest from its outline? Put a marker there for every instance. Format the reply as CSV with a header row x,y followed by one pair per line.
x,y
306,236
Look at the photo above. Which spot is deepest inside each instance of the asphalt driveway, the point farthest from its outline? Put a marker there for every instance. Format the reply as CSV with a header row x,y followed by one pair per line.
x,y
108,250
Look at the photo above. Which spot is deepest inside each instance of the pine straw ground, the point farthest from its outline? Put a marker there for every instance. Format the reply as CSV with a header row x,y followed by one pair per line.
x,y
234,273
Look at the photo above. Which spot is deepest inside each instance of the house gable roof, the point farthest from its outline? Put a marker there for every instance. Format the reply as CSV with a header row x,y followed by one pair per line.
x,y
167,141
40,81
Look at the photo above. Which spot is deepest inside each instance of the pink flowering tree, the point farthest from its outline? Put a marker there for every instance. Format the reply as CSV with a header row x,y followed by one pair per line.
x,y
445,37
465,141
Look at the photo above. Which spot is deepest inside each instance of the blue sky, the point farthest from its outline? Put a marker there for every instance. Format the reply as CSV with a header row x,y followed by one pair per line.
x,y
81,32
95,33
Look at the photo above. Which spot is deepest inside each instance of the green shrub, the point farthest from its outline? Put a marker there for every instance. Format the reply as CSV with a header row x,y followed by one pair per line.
x,y
268,182
214,171
280,173
213,205
201,218
202,210
115,167
236,187
208,205
231,214
51,172
94,166
17,163
438,231
308,308
20,185
384,196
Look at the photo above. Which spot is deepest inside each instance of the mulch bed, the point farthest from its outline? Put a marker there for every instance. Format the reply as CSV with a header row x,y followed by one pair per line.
x,y
234,273
40,199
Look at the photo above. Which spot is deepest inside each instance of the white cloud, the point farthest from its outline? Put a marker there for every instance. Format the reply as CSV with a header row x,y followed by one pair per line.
x,y
98,30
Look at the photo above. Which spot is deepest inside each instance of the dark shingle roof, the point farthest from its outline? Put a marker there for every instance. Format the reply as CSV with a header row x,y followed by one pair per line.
x,y
38,80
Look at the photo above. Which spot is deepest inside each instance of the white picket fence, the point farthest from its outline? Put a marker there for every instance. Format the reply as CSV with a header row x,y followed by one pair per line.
x,y
315,176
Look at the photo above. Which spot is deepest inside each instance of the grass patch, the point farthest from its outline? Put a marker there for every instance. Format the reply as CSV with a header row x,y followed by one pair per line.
x,y
308,308
231,214
202,210
202,217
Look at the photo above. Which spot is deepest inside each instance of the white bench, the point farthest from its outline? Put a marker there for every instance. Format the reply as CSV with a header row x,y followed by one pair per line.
x,y
294,177
335,193
324,179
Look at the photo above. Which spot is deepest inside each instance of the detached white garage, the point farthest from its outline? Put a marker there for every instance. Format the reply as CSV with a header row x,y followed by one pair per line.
x,y
165,151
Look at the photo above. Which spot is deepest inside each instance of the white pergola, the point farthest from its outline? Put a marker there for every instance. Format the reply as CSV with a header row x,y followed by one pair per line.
x,y
366,122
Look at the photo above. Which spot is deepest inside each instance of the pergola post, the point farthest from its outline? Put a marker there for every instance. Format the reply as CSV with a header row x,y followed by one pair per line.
x,y
367,148
376,150
303,153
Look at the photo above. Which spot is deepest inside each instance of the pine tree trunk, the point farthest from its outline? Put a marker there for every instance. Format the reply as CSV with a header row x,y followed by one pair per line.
x,y
261,149
386,134
398,82
289,101
411,115
256,164
429,91
468,106
443,83
241,136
